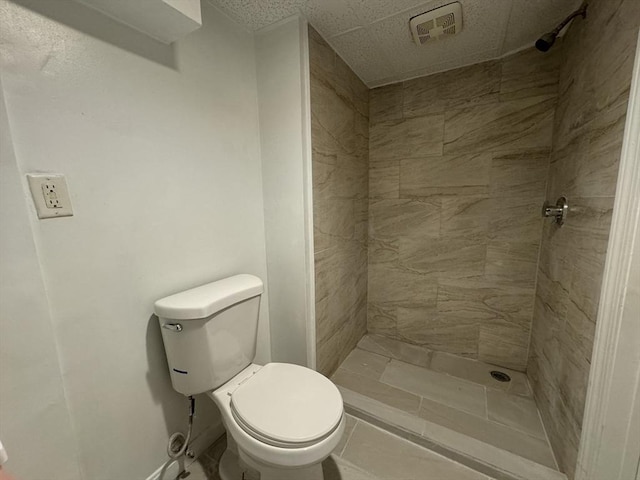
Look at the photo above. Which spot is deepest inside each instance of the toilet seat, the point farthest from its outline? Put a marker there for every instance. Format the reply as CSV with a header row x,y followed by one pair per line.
x,y
287,405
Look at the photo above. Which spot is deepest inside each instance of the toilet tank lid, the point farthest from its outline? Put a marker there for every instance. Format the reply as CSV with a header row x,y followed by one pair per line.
x,y
204,301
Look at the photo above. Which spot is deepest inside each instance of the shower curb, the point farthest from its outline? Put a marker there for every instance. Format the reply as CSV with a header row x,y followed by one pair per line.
x,y
475,454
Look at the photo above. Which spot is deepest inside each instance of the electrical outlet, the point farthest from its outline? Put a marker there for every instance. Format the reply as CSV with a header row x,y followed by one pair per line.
x,y
50,195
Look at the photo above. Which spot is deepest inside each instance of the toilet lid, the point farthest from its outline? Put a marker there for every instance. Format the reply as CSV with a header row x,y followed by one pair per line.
x,y
285,404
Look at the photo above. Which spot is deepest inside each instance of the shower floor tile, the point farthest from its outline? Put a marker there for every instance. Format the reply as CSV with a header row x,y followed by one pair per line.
x,y
452,392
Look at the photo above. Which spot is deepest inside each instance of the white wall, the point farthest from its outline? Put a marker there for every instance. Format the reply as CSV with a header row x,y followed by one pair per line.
x,y
33,410
161,150
283,92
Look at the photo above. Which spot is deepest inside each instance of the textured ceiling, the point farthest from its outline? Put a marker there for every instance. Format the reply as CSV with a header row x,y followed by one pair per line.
x,y
373,36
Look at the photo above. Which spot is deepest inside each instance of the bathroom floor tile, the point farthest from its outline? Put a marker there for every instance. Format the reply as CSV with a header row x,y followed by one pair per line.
x,y
436,386
514,411
365,363
501,436
408,422
479,372
382,392
336,468
350,423
387,456
464,413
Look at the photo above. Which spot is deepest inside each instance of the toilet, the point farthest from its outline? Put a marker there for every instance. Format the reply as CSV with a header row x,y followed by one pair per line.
x,y
282,420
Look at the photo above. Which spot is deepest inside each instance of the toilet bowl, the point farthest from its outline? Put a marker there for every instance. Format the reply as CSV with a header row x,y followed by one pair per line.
x,y
282,420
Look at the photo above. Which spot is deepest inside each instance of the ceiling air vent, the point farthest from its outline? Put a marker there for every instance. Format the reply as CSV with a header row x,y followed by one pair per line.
x,y
436,24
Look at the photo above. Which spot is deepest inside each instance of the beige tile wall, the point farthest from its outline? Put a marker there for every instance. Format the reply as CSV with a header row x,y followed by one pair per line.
x,y
458,167
340,143
588,131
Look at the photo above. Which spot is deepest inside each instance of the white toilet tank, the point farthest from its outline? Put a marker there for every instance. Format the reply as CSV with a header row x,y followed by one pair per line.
x,y
209,332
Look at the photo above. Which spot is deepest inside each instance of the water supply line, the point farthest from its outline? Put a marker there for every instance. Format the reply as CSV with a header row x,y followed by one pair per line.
x,y
178,443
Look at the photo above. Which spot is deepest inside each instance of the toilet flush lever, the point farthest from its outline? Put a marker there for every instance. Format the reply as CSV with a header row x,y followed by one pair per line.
x,y
558,211
174,327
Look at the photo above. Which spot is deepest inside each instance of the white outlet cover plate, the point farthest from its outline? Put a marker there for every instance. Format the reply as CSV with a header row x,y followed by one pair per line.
x,y
36,183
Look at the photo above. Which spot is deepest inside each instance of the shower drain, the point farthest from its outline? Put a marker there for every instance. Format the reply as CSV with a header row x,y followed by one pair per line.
x,y
500,376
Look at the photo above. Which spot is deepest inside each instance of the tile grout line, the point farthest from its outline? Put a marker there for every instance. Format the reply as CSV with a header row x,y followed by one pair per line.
x,y
342,450
486,404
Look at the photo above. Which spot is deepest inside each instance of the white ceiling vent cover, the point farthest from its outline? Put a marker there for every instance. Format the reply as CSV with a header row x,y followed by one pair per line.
x,y
436,24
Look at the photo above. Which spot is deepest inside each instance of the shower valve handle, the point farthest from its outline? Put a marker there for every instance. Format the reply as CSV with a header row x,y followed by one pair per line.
x,y
558,211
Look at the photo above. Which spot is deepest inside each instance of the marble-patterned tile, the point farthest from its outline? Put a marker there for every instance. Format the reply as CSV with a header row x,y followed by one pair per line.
x,y
324,145
505,344
478,427
334,114
565,161
612,67
576,106
428,328
475,301
404,218
351,177
327,354
456,257
436,386
361,223
617,14
598,177
390,284
466,174
587,226
378,452
479,372
522,174
341,270
421,96
322,58
340,131
530,73
382,250
377,390
384,179
473,85
382,319
556,259
586,282
335,217
579,333
408,138
511,125
385,103
512,263
600,142
322,174
350,87
520,413
515,218
365,363
396,349
464,215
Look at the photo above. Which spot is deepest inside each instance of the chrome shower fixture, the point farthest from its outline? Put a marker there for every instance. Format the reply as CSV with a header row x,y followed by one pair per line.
x,y
546,41
558,211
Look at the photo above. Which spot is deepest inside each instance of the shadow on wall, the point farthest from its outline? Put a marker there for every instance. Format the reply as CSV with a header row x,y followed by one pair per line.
x,y
100,26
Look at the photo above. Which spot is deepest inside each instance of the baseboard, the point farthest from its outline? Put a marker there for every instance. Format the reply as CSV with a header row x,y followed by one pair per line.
x,y
172,468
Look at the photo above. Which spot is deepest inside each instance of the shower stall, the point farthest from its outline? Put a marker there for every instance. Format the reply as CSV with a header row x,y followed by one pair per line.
x,y
449,310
